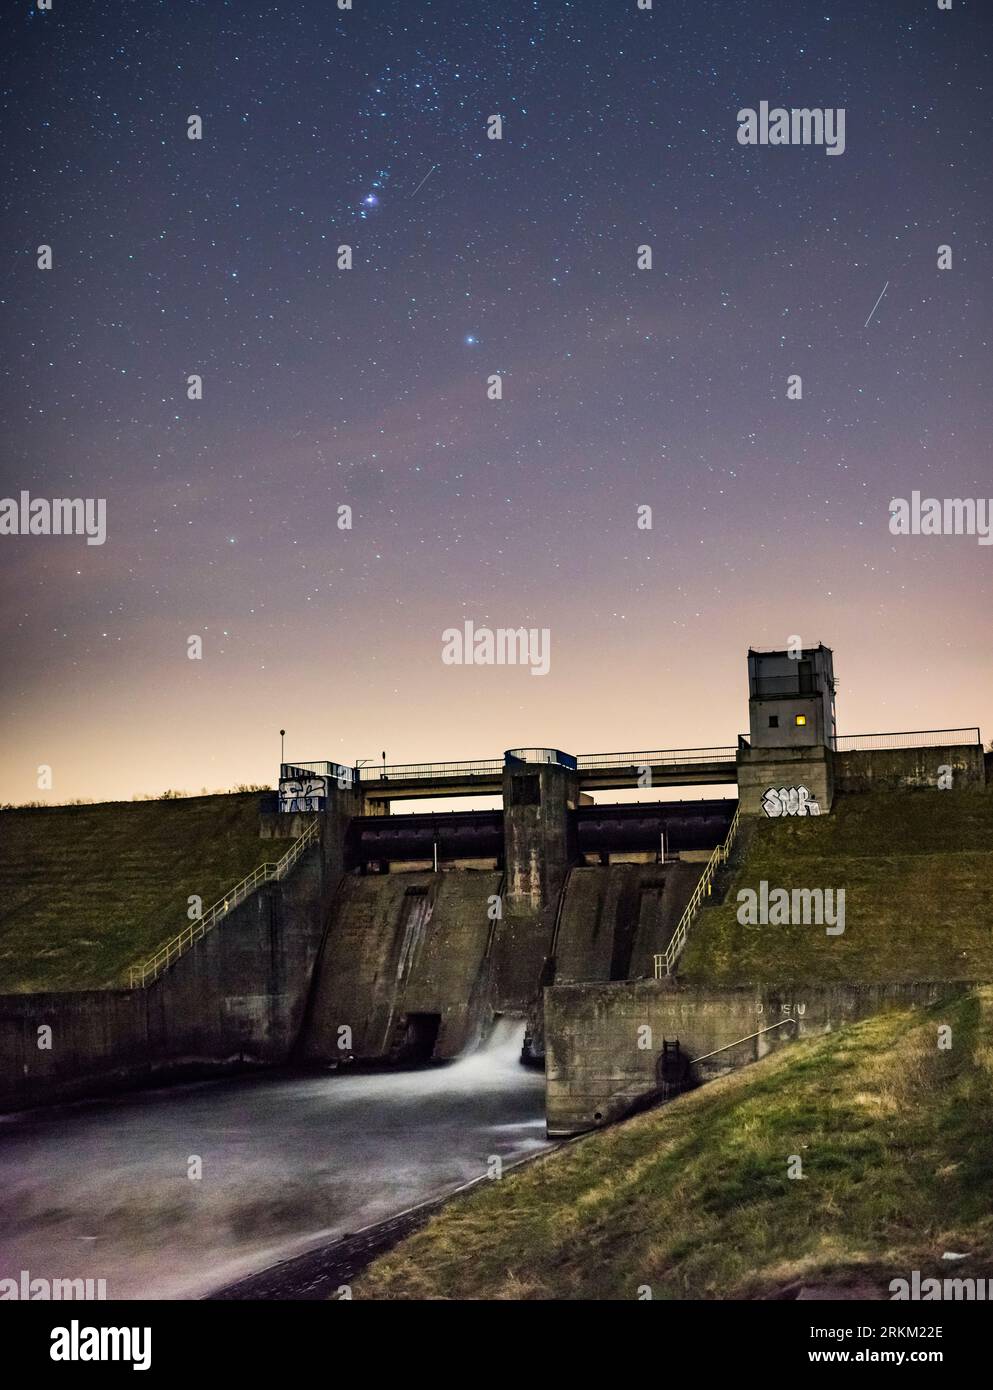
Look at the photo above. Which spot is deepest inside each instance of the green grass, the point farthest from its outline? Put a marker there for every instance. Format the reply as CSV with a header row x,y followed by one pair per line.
x,y
86,891
694,1200
917,870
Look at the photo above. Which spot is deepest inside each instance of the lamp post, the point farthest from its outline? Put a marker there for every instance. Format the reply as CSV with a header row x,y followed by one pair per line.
x,y
282,746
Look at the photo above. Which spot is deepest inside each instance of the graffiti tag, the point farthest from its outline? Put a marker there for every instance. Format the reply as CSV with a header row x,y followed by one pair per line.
x,y
789,801
301,794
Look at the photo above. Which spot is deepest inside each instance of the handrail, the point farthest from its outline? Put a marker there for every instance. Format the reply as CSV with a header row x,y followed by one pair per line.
x,y
139,976
590,762
782,1023
665,960
597,762
911,738
404,772
489,767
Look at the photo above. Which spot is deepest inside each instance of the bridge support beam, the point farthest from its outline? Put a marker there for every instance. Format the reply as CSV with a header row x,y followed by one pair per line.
x,y
539,848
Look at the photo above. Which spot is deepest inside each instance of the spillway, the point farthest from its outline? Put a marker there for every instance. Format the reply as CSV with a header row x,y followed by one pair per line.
x,y
102,1189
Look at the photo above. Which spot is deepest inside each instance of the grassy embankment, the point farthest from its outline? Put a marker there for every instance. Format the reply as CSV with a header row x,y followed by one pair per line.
x,y
86,891
917,870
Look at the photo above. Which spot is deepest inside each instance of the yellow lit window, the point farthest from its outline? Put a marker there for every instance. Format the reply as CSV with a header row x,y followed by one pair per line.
x,y
801,719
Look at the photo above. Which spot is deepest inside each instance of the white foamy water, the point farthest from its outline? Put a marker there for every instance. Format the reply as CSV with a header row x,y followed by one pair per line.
x,y
101,1189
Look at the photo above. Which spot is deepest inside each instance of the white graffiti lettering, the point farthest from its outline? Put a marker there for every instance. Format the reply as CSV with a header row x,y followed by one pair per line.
x,y
789,801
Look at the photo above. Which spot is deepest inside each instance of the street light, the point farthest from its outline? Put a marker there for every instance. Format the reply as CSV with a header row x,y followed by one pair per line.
x,y
282,746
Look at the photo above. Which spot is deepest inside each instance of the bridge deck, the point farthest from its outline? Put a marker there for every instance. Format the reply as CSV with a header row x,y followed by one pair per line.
x,y
680,767
672,767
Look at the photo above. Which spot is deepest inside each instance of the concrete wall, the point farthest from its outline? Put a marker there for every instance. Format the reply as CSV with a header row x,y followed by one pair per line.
x,y
240,993
889,769
283,825
237,997
823,772
762,768
596,1071
400,944
614,918
99,1041
814,732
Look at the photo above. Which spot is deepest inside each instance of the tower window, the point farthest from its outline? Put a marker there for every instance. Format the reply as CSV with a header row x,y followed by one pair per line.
x,y
773,721
800,720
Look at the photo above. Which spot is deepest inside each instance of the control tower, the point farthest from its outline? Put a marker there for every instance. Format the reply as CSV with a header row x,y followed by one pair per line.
x,y
786,766
791,698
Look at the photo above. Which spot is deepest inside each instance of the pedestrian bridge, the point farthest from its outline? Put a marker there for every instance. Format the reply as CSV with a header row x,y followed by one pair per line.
x,y
672,767
381,783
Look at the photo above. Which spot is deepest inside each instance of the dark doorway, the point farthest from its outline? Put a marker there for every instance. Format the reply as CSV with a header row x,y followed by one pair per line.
x,y
416,1036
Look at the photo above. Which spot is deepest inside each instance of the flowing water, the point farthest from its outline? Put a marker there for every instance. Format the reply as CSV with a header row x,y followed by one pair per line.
x,y
102,1189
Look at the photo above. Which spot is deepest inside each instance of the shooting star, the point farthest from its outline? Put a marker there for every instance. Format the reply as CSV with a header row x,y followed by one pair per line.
x,y
876,305
424,179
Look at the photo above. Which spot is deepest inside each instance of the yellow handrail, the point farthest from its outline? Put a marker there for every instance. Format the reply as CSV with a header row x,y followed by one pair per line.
x,y
665,960
141,975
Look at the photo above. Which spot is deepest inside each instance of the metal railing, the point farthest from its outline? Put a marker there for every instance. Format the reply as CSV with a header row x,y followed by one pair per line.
x,y
320,767
141,975
375,772
490,767
917,738
540,755
665,960
779,651
595,762
656,758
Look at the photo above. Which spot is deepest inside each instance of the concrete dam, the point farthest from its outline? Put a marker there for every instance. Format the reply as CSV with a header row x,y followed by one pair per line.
x,y
370,938
392,975
410,968
386,939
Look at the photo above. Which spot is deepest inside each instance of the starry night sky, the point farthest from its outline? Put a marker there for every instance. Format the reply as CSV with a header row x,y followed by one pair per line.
x,y
368,387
